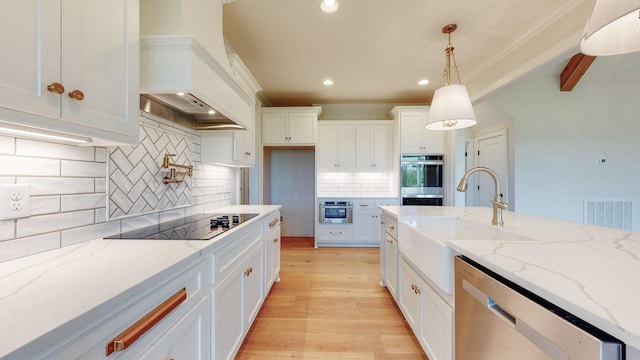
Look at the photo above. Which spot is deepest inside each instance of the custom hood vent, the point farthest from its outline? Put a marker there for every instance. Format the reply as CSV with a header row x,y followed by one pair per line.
x,y
184,64
175,109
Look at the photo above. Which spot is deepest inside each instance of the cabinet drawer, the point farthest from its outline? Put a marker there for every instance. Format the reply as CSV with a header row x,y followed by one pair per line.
x,y
360,205
391,226
90,342
223,260
335,233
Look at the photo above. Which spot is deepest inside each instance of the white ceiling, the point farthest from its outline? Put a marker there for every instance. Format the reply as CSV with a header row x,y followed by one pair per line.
x,y
377,50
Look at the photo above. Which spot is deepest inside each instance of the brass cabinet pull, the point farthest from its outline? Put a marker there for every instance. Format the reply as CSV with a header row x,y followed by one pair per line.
x,y
248,271
130,335
247,153
273,223
56,87
390,227
77,95
275,240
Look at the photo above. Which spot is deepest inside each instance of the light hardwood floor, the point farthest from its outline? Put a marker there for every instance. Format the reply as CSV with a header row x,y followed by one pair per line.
x,y
329,305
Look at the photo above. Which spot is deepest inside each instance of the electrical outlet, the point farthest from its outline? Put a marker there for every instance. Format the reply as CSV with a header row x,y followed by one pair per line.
x,y
15,201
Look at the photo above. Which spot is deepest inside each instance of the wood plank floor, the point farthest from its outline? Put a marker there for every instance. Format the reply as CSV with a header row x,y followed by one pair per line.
x,y
329,305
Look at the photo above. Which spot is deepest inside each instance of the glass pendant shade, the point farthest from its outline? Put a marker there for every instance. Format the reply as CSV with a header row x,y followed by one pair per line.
x,y
613,28
451,109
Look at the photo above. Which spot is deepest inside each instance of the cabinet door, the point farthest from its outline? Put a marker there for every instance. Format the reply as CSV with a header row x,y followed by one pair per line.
x,y
327,148
272,258
363,148
411,129
437,326
381,147
252,293
227,314
302,128
409,295
187,339
274,128
100,59
244,148
365,221
391,265
346,147
31,48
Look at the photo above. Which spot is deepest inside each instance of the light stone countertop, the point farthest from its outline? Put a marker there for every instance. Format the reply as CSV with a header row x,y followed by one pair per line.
x,y
65,288
592,272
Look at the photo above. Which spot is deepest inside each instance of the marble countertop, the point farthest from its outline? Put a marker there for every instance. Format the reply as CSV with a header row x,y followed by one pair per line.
x,y
589,271
62,288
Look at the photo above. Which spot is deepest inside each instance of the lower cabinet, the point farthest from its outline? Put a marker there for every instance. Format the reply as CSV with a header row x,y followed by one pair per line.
x,y
237,292
428,315
334,235
390,270
272,251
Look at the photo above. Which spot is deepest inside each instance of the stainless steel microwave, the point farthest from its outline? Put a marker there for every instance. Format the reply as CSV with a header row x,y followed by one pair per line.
x,y
335,212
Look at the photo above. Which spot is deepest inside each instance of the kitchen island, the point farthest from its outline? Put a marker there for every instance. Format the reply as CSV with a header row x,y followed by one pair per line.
x,y
586,270
56,304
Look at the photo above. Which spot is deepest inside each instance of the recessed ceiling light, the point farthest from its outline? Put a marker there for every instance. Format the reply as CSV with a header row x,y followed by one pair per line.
x,y
328,82
211,111
180,93
423,82
329,6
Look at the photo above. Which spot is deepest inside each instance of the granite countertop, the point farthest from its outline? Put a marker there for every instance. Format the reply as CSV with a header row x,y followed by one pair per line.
x,y
64,287
589,271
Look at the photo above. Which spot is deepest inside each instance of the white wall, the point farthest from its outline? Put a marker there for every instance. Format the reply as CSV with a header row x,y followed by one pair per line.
x,y
560,135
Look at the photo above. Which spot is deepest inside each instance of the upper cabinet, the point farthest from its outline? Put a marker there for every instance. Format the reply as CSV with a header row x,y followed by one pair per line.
x,y
73,67
235,147
290,126
357,145
336,149
374,144
414,138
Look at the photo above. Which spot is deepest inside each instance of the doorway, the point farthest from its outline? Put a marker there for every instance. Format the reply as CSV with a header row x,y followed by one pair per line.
x,y
292,180
490,151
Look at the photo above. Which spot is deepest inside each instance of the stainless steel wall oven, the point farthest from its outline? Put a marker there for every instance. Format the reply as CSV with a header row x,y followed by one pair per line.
x,y
335,212
422,179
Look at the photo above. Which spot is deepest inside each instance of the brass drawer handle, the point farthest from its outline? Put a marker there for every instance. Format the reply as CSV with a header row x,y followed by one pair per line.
x,y
130,335
56,87
273,223
77,95
275,240
390,227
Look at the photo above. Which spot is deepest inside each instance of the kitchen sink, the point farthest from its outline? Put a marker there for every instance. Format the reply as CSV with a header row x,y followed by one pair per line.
x,y
422,240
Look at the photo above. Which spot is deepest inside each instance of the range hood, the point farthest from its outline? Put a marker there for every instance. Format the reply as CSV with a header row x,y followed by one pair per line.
x,y
184,65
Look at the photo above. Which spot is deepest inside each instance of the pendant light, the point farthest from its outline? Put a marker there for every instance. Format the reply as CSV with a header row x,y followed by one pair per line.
x,y
451,106
613,28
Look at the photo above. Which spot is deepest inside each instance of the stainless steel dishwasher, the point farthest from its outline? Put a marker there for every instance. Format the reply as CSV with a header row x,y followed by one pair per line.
x,y
496,319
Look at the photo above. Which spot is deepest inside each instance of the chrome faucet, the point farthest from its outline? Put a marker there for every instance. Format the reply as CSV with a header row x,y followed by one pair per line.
x,y
497,202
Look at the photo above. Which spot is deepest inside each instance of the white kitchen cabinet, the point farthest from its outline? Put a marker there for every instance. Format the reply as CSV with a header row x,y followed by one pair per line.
x,y
235,147
366,219
290,126
183,332
374,144
238,289
336,148
428,315
272,250
414,138
334,235
87,49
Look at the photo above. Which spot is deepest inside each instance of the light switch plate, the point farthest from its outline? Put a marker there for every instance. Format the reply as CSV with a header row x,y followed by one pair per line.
x,y
15,201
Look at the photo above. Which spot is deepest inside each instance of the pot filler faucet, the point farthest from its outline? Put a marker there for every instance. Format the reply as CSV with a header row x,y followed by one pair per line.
x,y
497,202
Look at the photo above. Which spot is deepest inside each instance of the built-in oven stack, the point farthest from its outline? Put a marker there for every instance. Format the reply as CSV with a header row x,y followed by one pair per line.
x,y
422,179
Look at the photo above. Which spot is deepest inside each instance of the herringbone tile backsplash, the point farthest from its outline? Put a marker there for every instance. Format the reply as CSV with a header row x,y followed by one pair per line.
x,y
136,176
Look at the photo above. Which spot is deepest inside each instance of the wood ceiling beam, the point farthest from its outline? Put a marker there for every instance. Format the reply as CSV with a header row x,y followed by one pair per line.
x,y
572,73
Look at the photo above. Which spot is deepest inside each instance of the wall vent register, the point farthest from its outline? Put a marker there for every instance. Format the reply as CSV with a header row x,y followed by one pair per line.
x,y
195,227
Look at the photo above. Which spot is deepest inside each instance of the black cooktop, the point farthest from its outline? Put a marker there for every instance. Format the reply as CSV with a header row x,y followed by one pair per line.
x,y
195,227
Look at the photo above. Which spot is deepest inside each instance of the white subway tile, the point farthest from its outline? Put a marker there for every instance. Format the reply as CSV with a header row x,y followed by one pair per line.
x,y
138,222
26,166
48,223
7,145
83,169
16,248
58,185
7,229
100,154
82,202
53,151
41,205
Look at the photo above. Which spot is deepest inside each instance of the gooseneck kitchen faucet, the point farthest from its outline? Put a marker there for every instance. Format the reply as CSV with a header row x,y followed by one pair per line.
x,y
497,202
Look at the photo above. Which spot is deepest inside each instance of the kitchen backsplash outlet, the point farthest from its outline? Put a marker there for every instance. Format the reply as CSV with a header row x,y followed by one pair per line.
x,y
69,191
365,184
